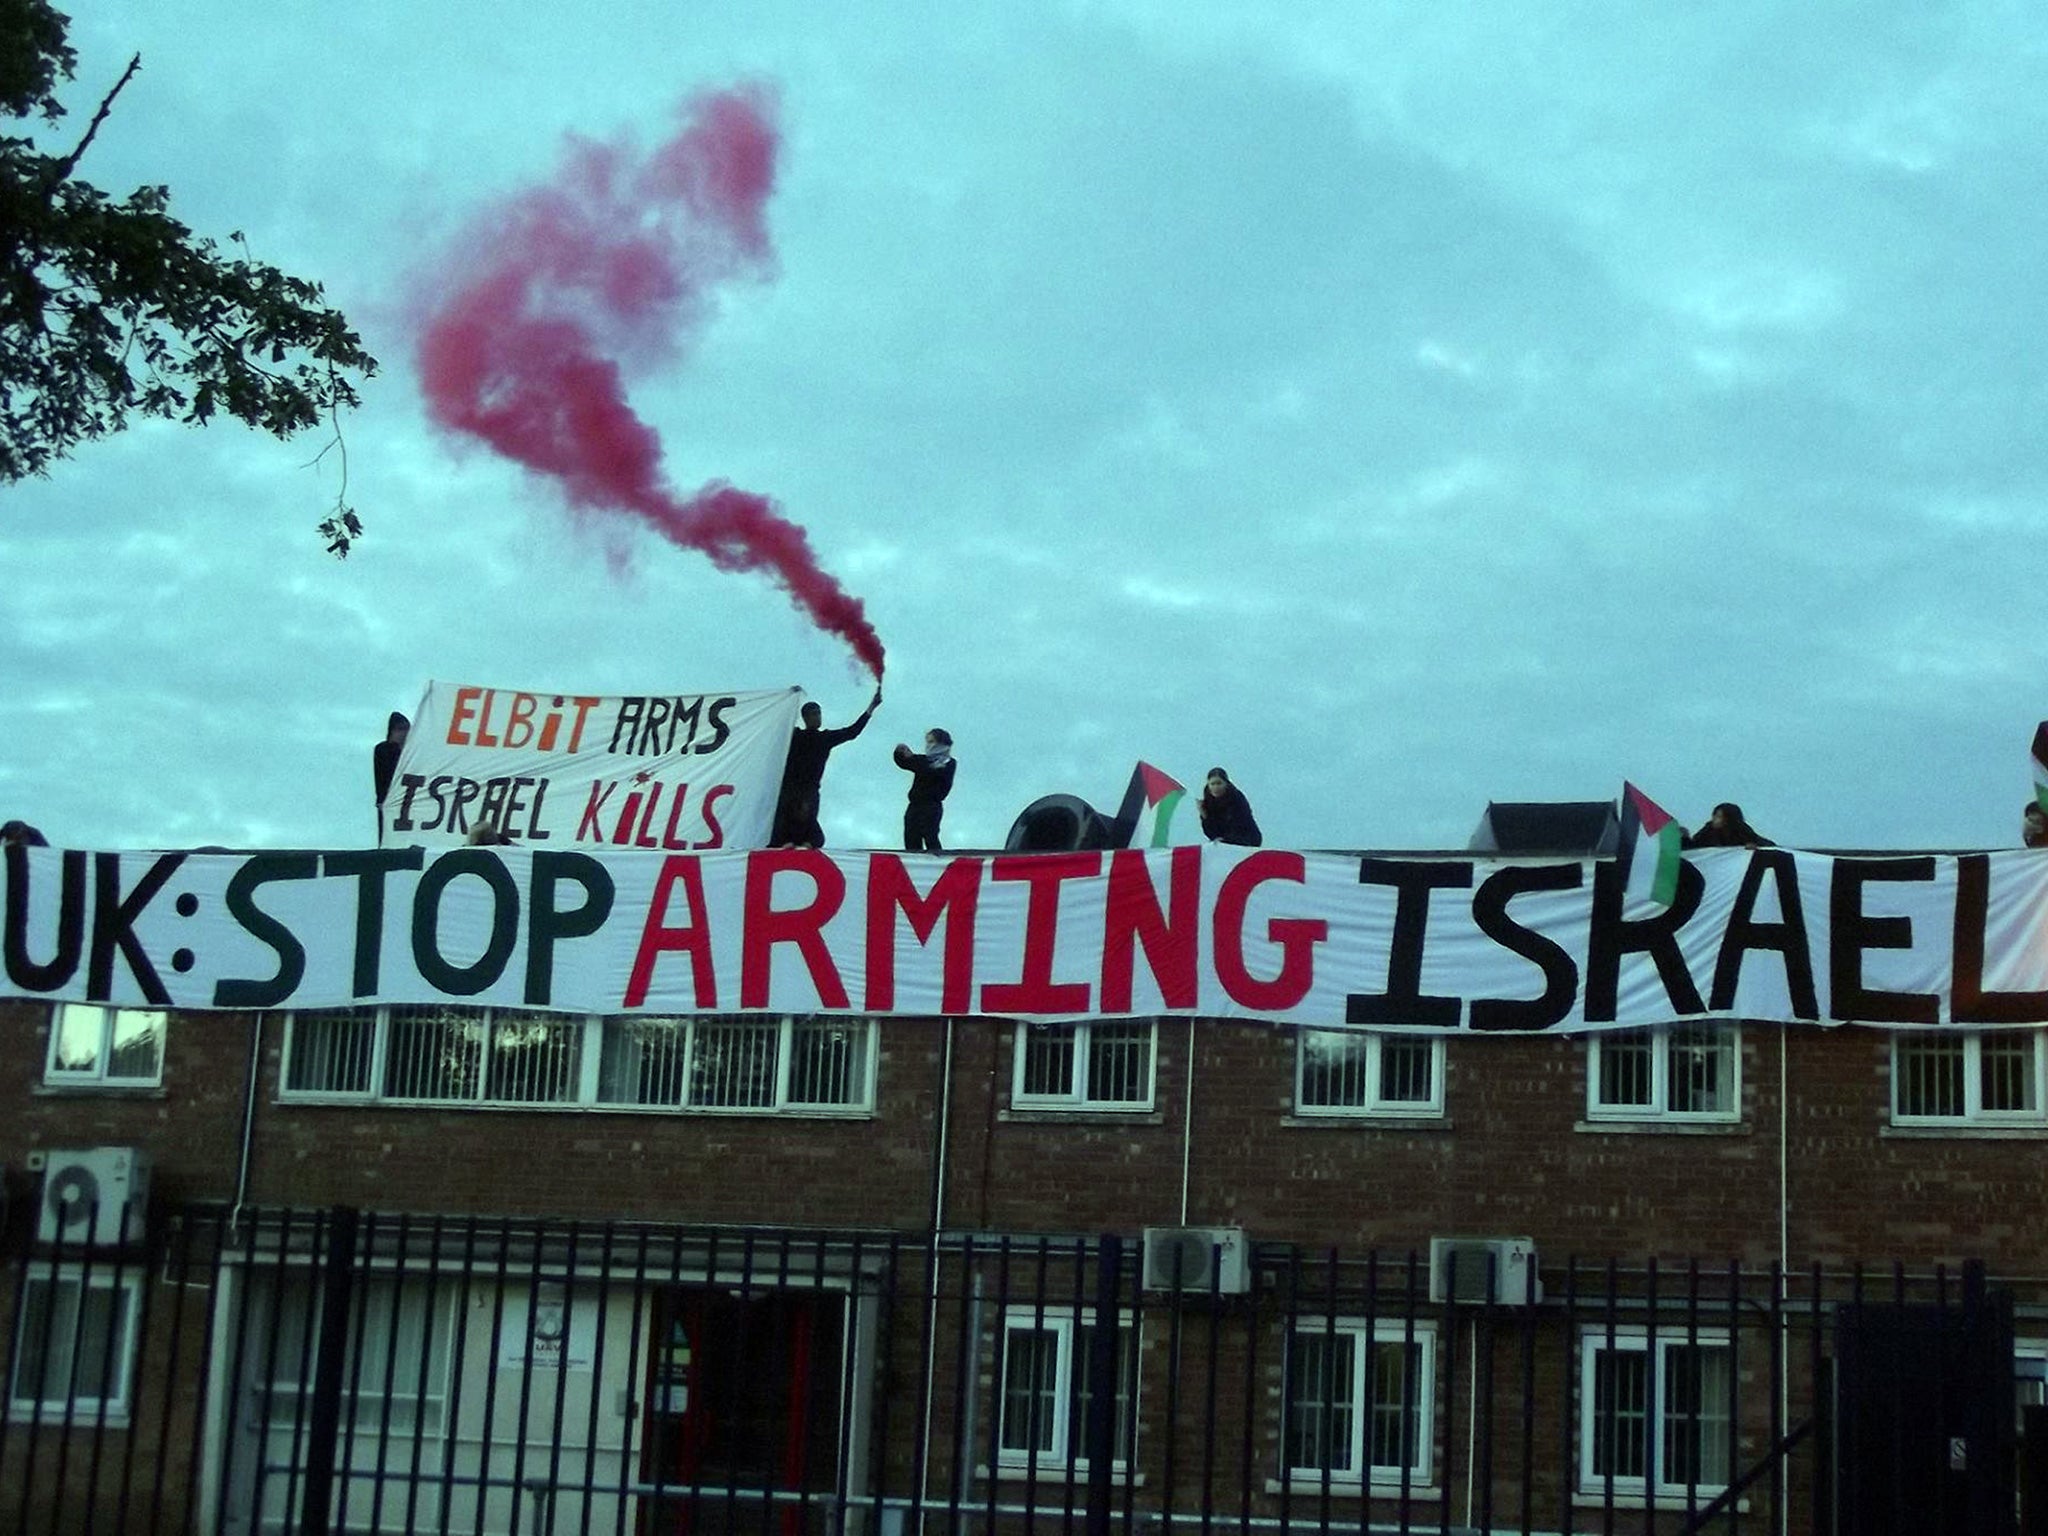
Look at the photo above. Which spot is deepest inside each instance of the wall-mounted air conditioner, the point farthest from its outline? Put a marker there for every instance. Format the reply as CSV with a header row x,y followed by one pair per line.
x,y
1212,1260
1479,1269
96,1197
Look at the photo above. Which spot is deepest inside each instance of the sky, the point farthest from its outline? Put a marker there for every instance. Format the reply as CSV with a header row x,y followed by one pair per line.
x,y
1405,406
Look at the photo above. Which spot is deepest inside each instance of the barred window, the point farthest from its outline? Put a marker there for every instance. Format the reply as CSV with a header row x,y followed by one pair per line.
x,y
1044,1396
115,1047
1368,1072
75,1350
1968,1077
1656,1419
1359,1400
399,1338
1097,1064
1684,1072
441,1054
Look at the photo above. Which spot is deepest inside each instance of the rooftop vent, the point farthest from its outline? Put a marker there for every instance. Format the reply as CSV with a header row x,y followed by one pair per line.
x,y
1569,828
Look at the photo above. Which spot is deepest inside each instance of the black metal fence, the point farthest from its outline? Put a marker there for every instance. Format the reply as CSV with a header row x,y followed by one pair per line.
x,y
342,1371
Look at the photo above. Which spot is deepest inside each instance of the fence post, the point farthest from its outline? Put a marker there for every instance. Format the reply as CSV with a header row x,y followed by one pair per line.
x,y
1102,1382
330,1371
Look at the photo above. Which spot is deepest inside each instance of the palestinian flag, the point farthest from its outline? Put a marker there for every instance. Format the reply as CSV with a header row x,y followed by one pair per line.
x,y
2041,764
1649,854
1145,819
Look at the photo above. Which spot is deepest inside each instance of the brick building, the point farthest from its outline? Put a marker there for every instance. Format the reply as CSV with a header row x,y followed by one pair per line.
x,y
868,1257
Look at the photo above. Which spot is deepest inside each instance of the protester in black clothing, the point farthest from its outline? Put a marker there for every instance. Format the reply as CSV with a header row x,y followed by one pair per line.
x,y
803,776
1226,814
2034,825
931,780
1727,828
384,761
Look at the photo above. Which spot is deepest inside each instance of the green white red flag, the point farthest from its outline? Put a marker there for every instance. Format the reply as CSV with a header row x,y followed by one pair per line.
x,y
1149,803
1651,844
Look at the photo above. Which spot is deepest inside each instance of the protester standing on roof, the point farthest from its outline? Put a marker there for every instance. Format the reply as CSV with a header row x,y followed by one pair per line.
x,y
1226,814
1727,828
931,780
384,761
803,776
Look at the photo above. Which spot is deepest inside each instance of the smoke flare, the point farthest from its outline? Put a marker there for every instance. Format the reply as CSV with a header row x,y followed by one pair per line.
x,y
556,294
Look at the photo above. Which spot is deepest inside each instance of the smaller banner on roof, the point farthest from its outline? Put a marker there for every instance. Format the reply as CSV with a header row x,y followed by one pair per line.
x,y
676,772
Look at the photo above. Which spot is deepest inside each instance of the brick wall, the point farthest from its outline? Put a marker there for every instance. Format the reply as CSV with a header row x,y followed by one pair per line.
x,y
1513,1154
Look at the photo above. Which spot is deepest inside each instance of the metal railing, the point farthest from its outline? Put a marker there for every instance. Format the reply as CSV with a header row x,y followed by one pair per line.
x,y
346,1371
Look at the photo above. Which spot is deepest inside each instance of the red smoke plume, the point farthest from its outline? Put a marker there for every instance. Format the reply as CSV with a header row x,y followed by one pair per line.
x,y
558,292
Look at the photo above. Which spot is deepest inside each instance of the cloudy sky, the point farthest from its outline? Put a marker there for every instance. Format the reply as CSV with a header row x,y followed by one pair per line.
x,y
1406,406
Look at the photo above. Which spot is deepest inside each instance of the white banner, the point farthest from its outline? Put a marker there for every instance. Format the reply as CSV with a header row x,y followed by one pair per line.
x,y
664,771
1436,944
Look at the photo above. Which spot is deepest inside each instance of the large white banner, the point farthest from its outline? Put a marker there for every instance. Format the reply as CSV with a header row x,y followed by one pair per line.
x,y
665,771
1432,944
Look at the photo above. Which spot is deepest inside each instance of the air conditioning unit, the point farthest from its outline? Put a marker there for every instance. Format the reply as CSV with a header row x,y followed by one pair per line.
x,y
1497,1269
1212,1260
96,1197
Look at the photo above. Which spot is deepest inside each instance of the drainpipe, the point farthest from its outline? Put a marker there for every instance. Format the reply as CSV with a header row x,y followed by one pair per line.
x,y
248,1124
1784,1241
1187,1130
931,1310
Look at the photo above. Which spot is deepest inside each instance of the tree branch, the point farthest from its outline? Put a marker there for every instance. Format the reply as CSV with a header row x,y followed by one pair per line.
x,y
61,172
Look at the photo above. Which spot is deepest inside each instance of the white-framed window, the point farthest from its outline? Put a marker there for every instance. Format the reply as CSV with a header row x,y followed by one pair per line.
x,y
1368,1072
1094,1064
1968,1077
399,1345
75,1350
1043,1392
111,1047
460,1055
1360,1401
1680,1072
1655,1415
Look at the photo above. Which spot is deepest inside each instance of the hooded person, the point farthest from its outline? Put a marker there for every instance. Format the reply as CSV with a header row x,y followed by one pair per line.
x,y
931,780
384,762
1226,814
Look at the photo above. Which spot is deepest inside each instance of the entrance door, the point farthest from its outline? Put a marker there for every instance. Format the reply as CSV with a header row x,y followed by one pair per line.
x,y
1924,1419
744,1411
465,1406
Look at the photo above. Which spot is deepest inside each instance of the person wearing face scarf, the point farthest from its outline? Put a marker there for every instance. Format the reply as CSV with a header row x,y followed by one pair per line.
x,y
1226,814
931,780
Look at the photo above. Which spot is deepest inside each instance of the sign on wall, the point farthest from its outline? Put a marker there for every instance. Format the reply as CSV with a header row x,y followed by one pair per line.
x,y
666,772
1440,945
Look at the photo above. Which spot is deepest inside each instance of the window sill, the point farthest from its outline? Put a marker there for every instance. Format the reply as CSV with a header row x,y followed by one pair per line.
x,y
95,1090
1057,1475
1964,1129
664,1111
1598,1500
1657,1126
1351,1488
1076,1114
1368,1120
81,1418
